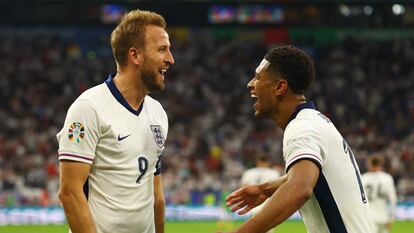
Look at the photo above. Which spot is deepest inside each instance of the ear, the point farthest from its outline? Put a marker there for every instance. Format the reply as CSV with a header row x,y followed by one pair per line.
x,y
135,56
281,87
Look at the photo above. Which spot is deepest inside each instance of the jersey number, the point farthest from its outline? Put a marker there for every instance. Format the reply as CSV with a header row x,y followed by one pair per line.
x,y
142,168
348,151
379,194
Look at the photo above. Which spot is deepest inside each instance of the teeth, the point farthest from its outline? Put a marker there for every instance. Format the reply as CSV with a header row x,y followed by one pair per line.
x,y
253,96
163,71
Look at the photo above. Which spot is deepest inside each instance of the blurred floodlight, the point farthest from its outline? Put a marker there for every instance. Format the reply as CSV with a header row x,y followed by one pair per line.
x,y
368,10
398,9
344,9
112,13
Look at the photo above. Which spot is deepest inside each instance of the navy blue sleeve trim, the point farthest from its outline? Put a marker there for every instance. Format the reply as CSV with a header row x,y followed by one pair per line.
x,y
307,158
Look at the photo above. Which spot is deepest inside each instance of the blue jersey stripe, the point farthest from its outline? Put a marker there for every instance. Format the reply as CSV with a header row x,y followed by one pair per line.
x,y
118,96
328,206
86,188
348,150
158,166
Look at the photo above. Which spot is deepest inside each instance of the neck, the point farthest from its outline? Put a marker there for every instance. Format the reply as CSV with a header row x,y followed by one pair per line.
x,y
288,107
131,87
376,169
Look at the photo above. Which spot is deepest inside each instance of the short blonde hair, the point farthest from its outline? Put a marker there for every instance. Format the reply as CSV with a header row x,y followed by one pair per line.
x,y
376,160
130,32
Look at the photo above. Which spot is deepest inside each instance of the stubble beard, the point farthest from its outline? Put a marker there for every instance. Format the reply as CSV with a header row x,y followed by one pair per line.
x,y
150,81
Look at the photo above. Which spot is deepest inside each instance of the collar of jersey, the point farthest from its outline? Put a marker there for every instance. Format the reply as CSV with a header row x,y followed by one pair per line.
x,y
300,107
118,96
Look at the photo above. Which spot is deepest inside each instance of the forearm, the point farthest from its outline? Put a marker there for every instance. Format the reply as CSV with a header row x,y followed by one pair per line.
x,y
159,215
288,198
270,187
78,213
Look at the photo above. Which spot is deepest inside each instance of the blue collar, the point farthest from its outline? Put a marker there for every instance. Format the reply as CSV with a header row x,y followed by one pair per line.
x,y
309,105
118,96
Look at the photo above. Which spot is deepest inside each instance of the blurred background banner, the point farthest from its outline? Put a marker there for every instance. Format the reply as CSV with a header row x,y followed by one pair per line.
x,y
51,51
55,215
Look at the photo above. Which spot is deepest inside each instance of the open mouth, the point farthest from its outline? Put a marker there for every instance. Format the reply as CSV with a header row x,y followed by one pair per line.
x,y
255,99
162,71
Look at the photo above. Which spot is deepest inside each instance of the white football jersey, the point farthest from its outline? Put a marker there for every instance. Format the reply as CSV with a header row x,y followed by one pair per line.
x,y
124,148
338,203
259,175
381,194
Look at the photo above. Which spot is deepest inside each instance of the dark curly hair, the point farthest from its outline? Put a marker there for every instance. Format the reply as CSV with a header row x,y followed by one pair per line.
x,y
292,64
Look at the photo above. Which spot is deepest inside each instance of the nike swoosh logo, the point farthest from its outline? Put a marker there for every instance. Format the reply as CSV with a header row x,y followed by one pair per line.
x,y
122,138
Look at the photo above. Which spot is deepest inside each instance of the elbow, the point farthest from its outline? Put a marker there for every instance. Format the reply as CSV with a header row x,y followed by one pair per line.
x,y
307,193
65,195
303,192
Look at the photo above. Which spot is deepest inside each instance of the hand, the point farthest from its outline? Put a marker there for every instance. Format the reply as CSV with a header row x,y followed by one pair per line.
x,y
245,198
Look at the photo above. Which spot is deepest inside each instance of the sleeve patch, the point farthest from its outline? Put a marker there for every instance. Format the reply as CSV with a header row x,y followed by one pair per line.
x,y
76,132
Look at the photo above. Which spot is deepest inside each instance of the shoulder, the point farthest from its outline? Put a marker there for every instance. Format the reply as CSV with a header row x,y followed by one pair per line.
x,y
304,120
248,175
153,102
387,176
306,123
366,175
273,171
249,172
310,123
95,94
88,103
155,106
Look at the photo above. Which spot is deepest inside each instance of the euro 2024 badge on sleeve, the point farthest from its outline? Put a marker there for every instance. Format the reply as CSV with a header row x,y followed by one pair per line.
x,y
76,132
158,135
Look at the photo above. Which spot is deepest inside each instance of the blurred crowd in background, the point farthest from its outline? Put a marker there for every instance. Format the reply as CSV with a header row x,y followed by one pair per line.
x,y
365,87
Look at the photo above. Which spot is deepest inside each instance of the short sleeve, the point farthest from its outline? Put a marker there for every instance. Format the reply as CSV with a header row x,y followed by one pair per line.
x,y
302,140
158,166
165,123
79,136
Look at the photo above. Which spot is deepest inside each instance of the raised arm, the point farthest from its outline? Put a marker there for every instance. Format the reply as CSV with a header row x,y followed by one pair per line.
x,y
250,196
289,197
72,178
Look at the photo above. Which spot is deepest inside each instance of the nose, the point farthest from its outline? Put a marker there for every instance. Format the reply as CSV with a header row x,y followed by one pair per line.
x,y
250,84
169,58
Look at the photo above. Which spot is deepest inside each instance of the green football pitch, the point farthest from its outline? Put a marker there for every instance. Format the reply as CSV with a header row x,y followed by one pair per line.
x,y
194,227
